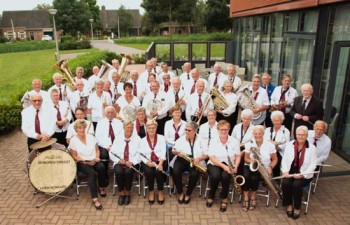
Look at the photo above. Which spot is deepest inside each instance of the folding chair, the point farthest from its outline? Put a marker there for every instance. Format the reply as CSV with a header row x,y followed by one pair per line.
x,y
136,184
231,190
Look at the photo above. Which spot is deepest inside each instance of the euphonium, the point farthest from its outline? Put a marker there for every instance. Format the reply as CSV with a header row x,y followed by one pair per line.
x,y
238,180
68,78
124,75
246,101
256,164
104,69
219,101
199,167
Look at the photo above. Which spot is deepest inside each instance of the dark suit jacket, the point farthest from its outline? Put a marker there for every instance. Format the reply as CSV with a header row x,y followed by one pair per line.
x,y
314,110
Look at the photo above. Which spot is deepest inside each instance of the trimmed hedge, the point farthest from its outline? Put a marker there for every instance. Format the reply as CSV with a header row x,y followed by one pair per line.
x,y
10,117
72,44
26,46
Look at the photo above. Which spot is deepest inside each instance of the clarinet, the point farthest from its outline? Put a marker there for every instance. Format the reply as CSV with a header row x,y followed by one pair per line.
x,y
154,163
132,167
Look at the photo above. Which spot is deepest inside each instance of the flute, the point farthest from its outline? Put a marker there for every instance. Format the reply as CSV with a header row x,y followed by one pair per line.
x,y
132,167
154,163
293,175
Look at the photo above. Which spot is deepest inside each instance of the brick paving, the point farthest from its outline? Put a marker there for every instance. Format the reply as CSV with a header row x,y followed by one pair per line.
x,y
330,204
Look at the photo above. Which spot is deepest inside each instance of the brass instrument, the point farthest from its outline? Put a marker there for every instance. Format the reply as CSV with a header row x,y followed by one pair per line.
x,y
129,112
279,106
105,67
219,101
256,164
246,101
68,78
124,75
199,167
25,100
104,105
238,180
294,175
197,119
154,105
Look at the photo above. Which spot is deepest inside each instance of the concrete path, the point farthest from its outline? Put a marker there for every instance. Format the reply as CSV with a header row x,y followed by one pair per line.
x,y
110,46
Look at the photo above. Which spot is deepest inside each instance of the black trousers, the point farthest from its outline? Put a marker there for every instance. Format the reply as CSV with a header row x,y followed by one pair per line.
x,y
252,179
61,138
277,169
288,121
180,166
293,191
161,124
152,174
124,177
90,172
104,156
232,119
217,175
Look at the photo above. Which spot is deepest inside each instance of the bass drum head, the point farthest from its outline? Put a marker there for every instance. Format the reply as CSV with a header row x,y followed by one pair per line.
x,y
52,171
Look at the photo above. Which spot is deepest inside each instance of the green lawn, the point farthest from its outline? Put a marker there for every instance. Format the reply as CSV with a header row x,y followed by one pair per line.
x,y
137,46
19,69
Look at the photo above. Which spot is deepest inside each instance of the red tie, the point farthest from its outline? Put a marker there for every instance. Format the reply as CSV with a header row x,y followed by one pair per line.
x,y
59,118
200,104
216,80
176,131
37,122
81,100
135,89
193,87
176,97
256,95
110,93
154,158
111,132
166,87
60,93
283,98
126,150
155,71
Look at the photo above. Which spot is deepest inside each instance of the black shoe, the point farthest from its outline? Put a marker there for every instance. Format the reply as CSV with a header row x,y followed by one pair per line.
x,y
223,206
161,202
103,195
186,202
127,199
121,200
97,204
295,216
209,204
290,214
181,200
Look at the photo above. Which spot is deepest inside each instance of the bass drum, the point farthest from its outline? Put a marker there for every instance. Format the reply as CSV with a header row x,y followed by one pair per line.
x,y
51,171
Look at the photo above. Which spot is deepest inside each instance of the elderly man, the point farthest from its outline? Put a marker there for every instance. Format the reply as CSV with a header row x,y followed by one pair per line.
x,y
215,77
79,97
93,77
137,86
38,123
115,64
36,85
190,86
176,95
155,68
266,84
231,76
321,141
80,115
63,90
196,105
79,73
165,70
117,87
259,94
157,105
145,74
307,109
186,76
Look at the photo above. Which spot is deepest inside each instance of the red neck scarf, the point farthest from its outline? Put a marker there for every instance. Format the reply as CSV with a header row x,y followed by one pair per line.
x,y
298,161
154,158
176,131
138,125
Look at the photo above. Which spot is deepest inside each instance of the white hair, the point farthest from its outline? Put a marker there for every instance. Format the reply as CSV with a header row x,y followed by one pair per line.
x,y
277,113
259,127
248,113
302,128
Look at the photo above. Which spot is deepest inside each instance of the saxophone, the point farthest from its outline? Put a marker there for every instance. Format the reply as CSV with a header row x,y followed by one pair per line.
x,y
199,167
256,164
238,180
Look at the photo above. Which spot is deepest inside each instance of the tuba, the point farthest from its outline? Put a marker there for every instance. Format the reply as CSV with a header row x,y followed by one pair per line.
x,y
256,164
154,105
68,78
219,101
246,101
125,75
105,67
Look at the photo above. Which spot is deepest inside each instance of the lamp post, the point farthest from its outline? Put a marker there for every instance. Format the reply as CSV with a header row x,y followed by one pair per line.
x,y
92,31
53,13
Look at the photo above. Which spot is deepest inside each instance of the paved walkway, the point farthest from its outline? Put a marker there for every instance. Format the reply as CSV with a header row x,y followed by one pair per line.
x,y
110,46
330,204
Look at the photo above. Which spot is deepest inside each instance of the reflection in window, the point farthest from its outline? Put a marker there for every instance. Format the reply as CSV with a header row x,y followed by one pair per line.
x,y
199,51
308,21
163,52
291,22
181,52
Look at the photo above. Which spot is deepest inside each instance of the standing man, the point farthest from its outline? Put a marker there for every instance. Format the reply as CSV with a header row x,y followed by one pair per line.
x,y
186,76
266,84
191,85
165,70
307,109
137,86
260,96
37,85
231,76
63,90
115,64
79,72
215,78
176,95
93,77
321,141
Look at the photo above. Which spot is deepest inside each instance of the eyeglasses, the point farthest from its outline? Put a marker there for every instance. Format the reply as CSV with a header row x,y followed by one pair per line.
x,y
189,130
36,100
223,129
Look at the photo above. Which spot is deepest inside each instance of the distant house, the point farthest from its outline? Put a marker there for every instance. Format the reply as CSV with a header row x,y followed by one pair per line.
x,y
28,24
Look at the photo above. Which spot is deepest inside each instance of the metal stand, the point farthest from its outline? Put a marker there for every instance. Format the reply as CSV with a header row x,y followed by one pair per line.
x,y
56,195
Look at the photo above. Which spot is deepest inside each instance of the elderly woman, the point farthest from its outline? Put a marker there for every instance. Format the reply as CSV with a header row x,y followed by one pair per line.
x,y
124,155
84,150
208,130
166,84
153,155
300,157
221,150
243,133
191,146
127,101
147,88
231,98
267,156
279,136
140,122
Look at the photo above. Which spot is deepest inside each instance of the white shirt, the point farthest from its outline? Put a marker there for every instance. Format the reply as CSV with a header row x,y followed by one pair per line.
x,y
162,97
289,96
85,82
231,99
110,74
139,88
85,152
192,105
71,131
118,148
204,133
282,136
186,77
75,99
96,105
117,90
172,75
222,152
44,94
169,131
66,114
182,145
212,76
189,84
240,136
63,88
143,78
237,82
323,146
102,132
171,96
47,121
262,99
159,148
266,150
92,80
121,102
310,159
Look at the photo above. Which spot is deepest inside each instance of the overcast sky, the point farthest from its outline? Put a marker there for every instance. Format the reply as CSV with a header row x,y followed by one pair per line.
x,y
11,5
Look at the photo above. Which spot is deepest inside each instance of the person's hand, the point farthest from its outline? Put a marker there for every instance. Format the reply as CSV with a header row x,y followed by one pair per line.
x,y
286,175
160,167
227,170
269,170
98,159
305,118
297,116
129,164
64,93
150,164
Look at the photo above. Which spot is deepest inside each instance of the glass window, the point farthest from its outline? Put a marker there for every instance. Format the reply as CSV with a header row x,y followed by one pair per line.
x,y
265,44
163,52
199,51
291,22
217,51
181,52
308,21
276,46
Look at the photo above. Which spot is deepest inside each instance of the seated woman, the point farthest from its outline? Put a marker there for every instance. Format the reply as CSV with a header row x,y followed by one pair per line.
x,y
189,145
267,157
140,122
208,130
300,157
84,150
279,136
124,155
221,150
153,155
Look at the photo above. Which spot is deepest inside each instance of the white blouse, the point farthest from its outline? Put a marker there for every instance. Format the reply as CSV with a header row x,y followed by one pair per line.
x,y
240,136
231,99
221,151
282,137
96,105
135,102
71,131
169,131
118,148
266,150
182,145
159,149
204,133
84,151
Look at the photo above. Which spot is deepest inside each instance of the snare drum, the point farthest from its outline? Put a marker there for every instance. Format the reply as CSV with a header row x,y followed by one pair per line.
x,y
51,171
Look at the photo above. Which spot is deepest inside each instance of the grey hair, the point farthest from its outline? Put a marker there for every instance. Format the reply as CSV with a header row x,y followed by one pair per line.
x,y
140,108
321,122
259,127
247,112
193,125
277,113
303,128
127,122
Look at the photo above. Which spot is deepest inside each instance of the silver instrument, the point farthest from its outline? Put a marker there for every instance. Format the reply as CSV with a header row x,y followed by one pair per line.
x,y
238,180
294,175
154,105
132,167
246,101
25,100
154,163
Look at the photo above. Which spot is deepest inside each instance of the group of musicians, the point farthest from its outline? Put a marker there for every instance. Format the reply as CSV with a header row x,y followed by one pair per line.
x,y
161,125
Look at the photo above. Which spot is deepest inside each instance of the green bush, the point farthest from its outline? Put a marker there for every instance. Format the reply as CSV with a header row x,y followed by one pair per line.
x,y
3,39
10,117
73,44
26,46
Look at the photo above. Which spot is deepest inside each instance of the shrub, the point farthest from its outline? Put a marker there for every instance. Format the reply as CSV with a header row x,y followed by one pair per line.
x,y
10,117
3,39
26,46
73,44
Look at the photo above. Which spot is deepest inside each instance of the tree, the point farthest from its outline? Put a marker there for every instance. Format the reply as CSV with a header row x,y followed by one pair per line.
x,y
185,12
146,25
43,7
95,12
125,20
217,16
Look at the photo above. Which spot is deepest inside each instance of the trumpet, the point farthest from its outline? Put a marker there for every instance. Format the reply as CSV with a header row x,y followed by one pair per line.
x,y
238,180
196,117
199,167
132,167
154,163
